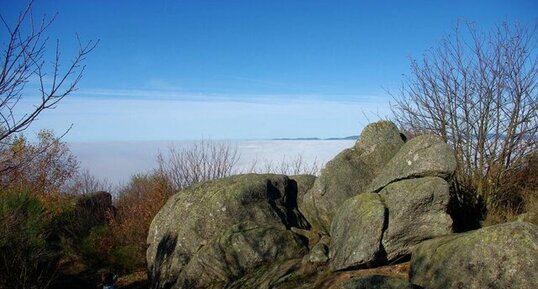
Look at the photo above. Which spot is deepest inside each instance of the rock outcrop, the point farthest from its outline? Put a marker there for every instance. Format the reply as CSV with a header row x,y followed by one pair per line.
x,y
91,209
350,172
381,202
498,257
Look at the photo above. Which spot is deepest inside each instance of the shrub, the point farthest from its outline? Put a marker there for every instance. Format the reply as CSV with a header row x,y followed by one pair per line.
x,y
204,160
519,195
29,248
95,247
287,166
42,168
126,259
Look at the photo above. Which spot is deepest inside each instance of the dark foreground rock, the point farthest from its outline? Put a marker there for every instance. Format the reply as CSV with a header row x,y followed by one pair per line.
x,y
498,257
376,282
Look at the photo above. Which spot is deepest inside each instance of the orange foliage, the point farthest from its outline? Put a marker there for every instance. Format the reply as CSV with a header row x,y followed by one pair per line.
x,y
136,206
43,168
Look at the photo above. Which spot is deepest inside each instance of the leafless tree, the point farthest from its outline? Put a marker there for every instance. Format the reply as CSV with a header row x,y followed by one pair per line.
x,y
84,182
204,160
24,47
479,92
287,166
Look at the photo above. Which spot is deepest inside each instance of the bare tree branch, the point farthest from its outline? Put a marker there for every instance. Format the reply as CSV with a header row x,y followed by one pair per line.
x,y
24,58
479,92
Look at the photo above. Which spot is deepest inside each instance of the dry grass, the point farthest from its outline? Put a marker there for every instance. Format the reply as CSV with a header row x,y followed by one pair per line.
x,y
324,279
334,280
135,280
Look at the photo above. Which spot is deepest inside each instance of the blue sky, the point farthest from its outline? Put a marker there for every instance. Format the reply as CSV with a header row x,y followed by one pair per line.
x,y
244,69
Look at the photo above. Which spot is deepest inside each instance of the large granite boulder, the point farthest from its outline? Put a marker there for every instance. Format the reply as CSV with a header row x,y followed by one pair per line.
x,y
203,214
422,156
498,257
417,211
237,252
350,172
356,233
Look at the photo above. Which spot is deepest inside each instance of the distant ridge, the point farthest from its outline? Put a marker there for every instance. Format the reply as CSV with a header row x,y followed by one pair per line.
x,y
352,137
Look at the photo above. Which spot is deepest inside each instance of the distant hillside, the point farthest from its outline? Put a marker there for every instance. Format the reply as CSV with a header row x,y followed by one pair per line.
x,y
352,137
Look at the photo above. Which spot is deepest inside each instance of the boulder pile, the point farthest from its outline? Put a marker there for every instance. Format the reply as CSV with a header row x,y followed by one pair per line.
x,y
383,201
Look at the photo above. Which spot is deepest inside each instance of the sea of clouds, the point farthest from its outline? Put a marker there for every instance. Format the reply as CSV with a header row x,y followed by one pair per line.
x,y
116,162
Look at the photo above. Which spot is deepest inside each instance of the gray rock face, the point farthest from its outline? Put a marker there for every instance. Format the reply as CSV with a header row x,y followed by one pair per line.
x,y
319,253
303,183
237,251
417,211
350,172
376,282
343,177
356,233
424,155
498,257
378,143
197,216
269,277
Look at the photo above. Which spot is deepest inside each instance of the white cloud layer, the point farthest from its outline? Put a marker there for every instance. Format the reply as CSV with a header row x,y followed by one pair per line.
x,y
118,161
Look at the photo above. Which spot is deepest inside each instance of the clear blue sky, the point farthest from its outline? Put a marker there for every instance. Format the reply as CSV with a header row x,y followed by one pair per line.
x,y
245,69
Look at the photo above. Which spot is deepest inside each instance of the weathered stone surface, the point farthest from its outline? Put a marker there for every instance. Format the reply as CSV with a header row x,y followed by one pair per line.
x,y
498,257
319,253
350,172
273,276
303,183
422,156
376,282
378,143
343,177
356,233
417,211
192,218
238,251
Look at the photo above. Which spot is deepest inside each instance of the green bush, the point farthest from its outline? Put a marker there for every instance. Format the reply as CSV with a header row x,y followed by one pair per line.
x,y
100,250
29,252
127,259
95,248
